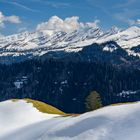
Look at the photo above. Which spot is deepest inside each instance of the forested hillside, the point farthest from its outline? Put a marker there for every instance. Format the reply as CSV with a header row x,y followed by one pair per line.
x,y
66,84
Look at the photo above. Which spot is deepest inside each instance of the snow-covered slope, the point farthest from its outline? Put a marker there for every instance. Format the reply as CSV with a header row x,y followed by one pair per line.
x,y
126,39
120,122
17,114
42,41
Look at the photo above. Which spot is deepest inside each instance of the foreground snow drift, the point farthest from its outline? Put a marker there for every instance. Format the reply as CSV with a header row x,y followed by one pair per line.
x,y
17,114
121,122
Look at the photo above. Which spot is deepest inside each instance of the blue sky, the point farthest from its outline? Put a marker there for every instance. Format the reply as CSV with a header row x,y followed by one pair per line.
x,y
29,13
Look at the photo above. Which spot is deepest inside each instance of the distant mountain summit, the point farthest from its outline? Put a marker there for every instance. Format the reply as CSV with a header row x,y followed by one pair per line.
x,y
19,47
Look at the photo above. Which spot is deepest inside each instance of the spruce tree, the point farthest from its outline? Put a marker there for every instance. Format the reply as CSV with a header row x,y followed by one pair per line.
x,y
93,101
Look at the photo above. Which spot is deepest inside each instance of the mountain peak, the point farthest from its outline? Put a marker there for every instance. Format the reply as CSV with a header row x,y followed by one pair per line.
x,y
134,29
115,29
49,37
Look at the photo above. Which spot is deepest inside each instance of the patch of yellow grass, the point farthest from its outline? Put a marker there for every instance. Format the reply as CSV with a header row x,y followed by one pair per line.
x,y
71,115
117,104
43,107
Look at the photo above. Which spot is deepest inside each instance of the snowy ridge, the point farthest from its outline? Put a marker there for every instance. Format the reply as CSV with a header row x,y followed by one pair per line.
x,y
41,42
17,114
119,122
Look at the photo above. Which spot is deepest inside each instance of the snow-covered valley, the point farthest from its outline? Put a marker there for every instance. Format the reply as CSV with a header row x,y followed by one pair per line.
x,y
21,121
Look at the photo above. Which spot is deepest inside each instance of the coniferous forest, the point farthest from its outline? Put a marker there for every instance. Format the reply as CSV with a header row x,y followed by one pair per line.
x,y
66,84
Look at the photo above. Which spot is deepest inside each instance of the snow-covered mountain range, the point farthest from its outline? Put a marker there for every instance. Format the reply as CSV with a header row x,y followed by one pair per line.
x,y
29,44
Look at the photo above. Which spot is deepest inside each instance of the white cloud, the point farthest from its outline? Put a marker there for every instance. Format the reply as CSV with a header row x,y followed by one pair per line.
x,y
134,22
11,19
23,29
69,24
93,24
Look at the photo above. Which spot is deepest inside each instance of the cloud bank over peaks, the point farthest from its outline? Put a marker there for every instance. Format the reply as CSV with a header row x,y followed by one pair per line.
x,y
12,19
135,22
67,25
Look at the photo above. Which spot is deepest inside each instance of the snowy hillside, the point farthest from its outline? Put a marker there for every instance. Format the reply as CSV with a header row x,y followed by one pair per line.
x,y
120,122
18,114
56,36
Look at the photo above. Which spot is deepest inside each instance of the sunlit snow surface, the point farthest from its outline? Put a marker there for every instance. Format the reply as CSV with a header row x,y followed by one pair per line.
x,y
15,115
121,122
